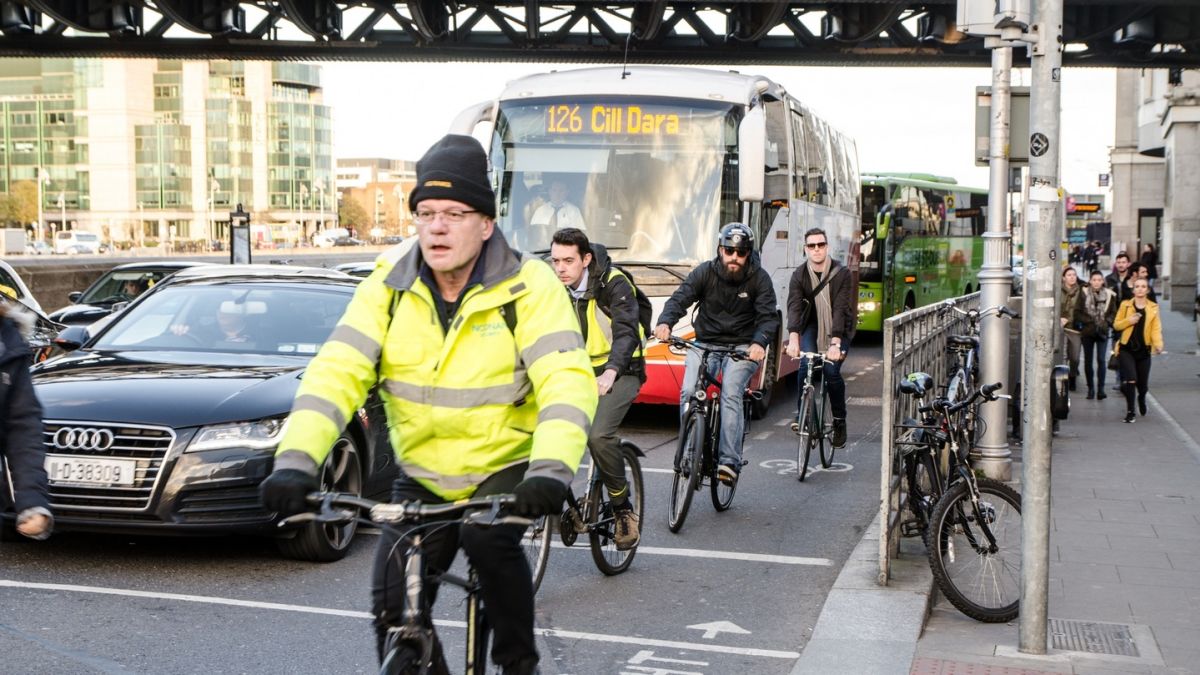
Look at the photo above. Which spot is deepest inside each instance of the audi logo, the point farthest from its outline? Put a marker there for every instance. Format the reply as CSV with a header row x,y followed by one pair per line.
x,y
79,438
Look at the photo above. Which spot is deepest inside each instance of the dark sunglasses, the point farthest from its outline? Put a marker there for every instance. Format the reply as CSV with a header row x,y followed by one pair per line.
x,y
739,252
818,244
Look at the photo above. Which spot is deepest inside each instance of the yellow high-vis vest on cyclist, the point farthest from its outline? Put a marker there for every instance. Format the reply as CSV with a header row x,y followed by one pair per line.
x,y
463,404
599,330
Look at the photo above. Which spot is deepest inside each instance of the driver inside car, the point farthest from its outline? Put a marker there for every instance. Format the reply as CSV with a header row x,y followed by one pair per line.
x,y
230,328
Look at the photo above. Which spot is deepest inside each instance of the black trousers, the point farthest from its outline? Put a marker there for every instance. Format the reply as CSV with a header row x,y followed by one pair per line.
x,y
497,555
1095,352
1135,372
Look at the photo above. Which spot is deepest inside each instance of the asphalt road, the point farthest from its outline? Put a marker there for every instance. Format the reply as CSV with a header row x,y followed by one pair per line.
x,y
737,591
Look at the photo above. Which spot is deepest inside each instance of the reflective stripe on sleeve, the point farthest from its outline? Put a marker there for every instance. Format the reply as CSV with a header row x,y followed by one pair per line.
x,y
567,413
322,407
551,343
358,340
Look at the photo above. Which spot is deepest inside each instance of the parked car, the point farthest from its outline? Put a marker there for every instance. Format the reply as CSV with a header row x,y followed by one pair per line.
x,y
166,419
76,241
10,278
356,269
326,238
119,285
1018,274
348,241
37,248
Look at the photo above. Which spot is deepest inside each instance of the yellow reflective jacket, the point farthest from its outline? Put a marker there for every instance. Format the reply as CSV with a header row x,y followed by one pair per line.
x,y
462,404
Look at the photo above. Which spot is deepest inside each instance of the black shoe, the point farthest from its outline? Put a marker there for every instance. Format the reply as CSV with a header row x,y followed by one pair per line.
x,y
1100,395
1142,405
1071,384
1129,417
1091,393
839,433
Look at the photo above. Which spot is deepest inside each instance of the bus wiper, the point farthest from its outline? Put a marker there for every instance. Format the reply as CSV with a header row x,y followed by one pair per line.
x,y
665,267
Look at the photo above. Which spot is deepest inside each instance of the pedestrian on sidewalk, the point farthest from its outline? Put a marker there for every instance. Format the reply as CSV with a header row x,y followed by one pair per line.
x,y
1066,316
1139,271
1141,336
1120,273
1149,259
1095,309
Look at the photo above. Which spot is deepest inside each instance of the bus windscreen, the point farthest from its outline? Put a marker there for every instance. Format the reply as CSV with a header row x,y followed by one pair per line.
x,y
652,180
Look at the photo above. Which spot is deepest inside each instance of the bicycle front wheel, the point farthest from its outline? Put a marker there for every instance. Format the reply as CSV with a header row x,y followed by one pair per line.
x,y
804,429
687,471
981,579
605,554
722,493
825,422
536,543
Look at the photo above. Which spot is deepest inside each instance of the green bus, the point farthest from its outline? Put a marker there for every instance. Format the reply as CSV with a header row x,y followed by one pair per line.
x,y
922,242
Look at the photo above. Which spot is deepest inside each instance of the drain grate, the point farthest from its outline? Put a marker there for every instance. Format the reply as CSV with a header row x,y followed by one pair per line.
x,y
1114,639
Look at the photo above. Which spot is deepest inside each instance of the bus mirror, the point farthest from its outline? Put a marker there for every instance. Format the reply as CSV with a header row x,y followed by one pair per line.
x,y
468,120
883,221
752,151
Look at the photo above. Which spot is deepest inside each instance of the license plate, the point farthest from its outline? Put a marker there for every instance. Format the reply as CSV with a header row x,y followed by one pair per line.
x,y
90,470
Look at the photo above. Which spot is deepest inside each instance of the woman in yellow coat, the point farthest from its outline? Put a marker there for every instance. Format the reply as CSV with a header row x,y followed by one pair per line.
x,y
1141,336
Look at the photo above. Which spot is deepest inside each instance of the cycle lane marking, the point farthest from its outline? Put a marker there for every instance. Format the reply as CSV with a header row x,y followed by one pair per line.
x,y
445,623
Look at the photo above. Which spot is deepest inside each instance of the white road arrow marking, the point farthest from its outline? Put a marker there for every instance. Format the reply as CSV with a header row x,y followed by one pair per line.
x,y
711,629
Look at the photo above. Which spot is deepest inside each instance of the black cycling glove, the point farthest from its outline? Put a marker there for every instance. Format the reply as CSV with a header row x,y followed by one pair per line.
x,y
285,489
539,496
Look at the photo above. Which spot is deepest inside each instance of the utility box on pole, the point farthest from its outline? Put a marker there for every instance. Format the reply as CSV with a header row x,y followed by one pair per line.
x,y
239,237
1018,149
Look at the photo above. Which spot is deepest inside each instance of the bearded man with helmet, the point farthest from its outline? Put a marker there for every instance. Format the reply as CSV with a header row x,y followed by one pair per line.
x,y
735,306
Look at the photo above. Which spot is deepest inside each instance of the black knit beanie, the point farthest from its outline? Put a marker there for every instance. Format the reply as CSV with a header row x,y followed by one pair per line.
x,y
455,168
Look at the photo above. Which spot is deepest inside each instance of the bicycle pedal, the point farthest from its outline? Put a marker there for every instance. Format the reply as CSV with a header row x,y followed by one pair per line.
x,y
910,528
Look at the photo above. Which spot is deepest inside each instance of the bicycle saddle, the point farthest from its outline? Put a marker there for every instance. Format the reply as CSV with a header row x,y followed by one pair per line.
x,y
916,384
962,342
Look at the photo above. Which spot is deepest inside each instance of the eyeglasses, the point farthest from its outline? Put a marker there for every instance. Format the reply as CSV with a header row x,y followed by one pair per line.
x,y
739,252
817,244
451,216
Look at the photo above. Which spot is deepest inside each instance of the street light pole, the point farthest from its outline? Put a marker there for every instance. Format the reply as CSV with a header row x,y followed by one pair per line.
x,y
303,196
41,178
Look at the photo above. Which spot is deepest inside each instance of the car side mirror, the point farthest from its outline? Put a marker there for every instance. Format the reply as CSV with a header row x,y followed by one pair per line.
x,y
118,306
71,338
74,296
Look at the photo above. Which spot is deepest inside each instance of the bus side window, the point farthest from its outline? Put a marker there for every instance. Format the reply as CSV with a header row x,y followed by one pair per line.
x,y
816,179
778,167
798,180
934,214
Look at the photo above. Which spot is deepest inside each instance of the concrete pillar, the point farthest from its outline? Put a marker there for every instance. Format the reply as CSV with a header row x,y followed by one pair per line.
x,y
1181,217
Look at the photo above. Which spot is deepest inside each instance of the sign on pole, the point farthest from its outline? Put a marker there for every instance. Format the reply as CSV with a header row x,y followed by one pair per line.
x,y
239,236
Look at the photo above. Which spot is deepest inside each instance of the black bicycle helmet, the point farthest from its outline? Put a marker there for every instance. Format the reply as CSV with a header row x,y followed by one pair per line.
x,y
736,235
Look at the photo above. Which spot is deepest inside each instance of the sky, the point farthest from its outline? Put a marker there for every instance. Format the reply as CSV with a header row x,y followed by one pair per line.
x,y
903,119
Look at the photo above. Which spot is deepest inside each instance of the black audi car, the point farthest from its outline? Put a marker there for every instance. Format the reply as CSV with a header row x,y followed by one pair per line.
x,y
167,419
119,285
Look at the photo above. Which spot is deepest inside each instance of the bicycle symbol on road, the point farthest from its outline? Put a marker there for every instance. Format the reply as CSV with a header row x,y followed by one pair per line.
x,y
786,466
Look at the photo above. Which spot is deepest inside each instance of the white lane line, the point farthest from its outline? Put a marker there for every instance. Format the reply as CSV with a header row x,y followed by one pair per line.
x,y
717,555
254,604
763,435
783,422
645,469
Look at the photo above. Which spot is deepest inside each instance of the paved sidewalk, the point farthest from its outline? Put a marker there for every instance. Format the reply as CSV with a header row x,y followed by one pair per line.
x,y
1124,541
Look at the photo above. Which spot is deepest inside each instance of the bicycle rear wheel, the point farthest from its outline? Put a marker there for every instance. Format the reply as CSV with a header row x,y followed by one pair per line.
x,y
923,489
982,581
400,659
803,427
605,554
536,543
687,473
825,420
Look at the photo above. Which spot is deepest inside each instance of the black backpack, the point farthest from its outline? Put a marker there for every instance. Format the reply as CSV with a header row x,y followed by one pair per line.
x,y
645,309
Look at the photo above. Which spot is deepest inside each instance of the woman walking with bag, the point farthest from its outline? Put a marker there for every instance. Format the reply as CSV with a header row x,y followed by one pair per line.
x,y
1095,309
1066,315
1141,336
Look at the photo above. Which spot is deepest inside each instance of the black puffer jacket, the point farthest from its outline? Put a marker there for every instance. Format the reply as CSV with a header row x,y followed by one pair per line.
x,y
616,299
20,417
730,312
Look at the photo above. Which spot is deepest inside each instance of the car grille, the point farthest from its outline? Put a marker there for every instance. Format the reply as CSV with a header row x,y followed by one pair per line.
x,y
220,504
145,444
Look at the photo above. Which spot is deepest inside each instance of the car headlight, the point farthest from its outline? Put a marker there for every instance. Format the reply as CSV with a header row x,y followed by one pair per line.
x,y
867,307
258,435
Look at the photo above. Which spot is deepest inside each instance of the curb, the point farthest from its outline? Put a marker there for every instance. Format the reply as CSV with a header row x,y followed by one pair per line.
x,y
867,628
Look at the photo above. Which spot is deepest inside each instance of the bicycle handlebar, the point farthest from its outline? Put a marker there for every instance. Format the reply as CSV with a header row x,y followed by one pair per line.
x,y
736,353
976,314
484,511
987,391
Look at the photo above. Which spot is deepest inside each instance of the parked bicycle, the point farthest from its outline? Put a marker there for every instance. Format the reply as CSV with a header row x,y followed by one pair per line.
x,y
412,647
592,514
814,422
964,350
974,528
696,456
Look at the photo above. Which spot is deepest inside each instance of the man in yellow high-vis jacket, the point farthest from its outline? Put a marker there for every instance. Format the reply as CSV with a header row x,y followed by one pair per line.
x,y
478,402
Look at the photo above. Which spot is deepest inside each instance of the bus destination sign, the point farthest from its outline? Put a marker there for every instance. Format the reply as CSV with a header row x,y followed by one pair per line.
x,y
597,118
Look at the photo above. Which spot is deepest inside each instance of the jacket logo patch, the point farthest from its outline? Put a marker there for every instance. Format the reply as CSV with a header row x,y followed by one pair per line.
x,y
489,329
439,183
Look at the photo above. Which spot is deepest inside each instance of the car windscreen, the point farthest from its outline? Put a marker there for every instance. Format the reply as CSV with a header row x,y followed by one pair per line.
x,y
261,318
121,286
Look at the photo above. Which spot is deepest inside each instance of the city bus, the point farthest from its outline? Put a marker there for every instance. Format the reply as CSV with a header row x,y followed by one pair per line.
x,y
656,160
922,241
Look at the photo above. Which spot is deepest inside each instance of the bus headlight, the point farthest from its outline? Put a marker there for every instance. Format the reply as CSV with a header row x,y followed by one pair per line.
x,y
868,307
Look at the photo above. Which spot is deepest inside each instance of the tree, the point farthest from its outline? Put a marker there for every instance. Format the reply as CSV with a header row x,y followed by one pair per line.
x,y
352,214
23,206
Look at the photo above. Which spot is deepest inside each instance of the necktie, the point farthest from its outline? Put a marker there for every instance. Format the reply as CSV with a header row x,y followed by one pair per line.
x,y
554,219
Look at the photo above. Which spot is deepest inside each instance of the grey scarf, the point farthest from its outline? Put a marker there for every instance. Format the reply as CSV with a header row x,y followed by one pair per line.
x,y
1096,303
824,307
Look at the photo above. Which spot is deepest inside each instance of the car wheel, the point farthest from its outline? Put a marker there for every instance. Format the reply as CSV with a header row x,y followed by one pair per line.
x,y
327,542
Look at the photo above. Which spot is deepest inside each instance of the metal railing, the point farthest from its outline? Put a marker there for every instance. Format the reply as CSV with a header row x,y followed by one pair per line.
x,y
913,341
